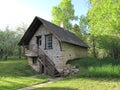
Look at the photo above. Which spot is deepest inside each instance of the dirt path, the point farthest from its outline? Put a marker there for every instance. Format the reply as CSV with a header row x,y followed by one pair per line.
x,y
42,84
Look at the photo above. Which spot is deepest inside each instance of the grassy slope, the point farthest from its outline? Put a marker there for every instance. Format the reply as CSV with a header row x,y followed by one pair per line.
x,y
15,74
93,75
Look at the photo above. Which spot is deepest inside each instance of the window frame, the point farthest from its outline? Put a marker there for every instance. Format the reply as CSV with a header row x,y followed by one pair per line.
x,y
34,60
48,41
39,38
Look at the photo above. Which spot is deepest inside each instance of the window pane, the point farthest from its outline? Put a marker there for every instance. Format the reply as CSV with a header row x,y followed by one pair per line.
x,y
48,41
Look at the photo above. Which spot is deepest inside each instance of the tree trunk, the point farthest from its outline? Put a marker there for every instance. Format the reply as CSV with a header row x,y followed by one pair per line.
x,y
115,51
6,56
1,53
19,52
94,48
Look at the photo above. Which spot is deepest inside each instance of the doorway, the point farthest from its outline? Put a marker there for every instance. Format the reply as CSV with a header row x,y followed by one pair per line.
x,y
41,66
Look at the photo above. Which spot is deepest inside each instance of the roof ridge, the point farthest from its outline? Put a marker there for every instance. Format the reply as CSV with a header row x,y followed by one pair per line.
x,y
63,34
51,23
55,25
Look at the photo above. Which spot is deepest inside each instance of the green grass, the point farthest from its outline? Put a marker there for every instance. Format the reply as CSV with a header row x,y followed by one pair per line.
x,y
99,67
83,84
15,73
94,74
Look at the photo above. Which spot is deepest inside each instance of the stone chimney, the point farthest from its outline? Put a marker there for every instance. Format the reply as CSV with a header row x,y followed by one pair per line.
x,y
62,25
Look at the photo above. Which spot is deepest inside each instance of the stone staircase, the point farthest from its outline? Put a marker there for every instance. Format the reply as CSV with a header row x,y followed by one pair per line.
x,y
49,66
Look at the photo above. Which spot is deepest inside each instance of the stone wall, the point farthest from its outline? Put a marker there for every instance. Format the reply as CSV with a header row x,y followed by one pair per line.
x,y
55,53
70,52
34,66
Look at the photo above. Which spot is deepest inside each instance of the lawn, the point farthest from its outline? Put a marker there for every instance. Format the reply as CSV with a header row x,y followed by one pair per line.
x,y
94,74
15,73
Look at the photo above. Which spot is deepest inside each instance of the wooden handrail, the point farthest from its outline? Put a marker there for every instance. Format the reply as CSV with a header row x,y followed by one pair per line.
x,y
45,60
41,52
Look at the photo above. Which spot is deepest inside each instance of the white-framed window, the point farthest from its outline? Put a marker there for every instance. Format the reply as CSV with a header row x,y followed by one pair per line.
x,y
48,41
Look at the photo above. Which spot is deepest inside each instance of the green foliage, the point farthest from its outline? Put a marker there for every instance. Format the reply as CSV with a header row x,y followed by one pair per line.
x,y
64,12
82,30
83,24
104,23
15,74
9,41
76,30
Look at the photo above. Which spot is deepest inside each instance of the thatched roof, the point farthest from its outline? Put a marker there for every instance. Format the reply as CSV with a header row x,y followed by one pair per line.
x,y
60,33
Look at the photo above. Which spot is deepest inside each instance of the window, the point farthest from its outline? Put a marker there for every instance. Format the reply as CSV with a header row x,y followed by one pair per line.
x,y
39,41
34,60
48,41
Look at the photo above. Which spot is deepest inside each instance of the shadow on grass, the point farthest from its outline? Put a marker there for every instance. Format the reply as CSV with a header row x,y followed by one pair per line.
x,y
15,68
13,83
5,88
87,62
15,74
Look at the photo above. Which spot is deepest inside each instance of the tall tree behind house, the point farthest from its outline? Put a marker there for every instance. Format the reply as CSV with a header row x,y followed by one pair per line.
x,y
64,12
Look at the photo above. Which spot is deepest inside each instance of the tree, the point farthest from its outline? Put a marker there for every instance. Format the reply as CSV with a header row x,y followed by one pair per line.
x,y
64,12
20,30
76,30
104,23
82,29
1,44
83,25
9,41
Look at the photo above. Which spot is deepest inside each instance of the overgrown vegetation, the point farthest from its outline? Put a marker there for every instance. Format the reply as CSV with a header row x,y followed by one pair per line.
x,y
16,73
93,67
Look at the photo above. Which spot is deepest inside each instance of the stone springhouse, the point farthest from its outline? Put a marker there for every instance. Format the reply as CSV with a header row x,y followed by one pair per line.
x,y
49,47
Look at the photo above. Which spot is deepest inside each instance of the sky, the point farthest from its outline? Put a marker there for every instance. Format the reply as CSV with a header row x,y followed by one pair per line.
x,y
15,12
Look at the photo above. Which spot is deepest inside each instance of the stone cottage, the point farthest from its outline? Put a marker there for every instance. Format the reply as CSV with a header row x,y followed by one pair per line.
x,y
49,47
